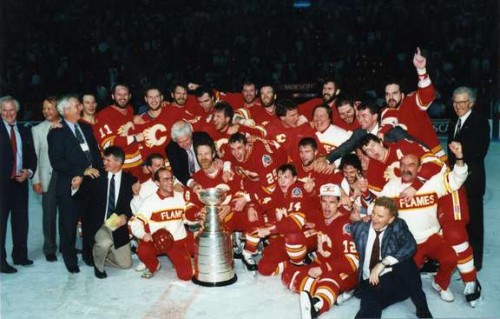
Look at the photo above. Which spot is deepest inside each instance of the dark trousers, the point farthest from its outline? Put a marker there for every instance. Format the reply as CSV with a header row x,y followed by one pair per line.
x,y
403,282
69,211
49,207
475,228
14,203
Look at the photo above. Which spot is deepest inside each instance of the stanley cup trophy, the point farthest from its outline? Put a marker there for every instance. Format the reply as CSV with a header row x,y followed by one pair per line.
x,y
214,255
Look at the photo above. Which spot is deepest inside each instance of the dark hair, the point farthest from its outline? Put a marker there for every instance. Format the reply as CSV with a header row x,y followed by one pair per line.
x,y
388,203
285,105
116,151
176,84
326,107
345,101
238,137
368,106
287,167
152,87
225,107
205,142
156,175
117,84
352,160
365,140
151,157
201,90
309,141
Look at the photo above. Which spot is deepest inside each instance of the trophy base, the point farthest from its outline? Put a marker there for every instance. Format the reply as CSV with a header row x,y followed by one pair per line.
x,y
216,284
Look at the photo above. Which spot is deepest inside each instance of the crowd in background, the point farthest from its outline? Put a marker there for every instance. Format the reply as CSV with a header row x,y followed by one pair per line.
x,y
60,46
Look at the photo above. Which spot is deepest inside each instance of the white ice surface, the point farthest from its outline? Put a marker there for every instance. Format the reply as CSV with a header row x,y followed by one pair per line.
x,y
47,290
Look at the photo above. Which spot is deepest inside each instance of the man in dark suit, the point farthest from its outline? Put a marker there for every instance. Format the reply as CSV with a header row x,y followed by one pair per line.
x,y
108,194
73,152
387,272
18,163
180,151
471,128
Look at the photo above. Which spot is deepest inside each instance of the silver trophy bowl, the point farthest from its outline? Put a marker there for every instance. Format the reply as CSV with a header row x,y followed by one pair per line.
x,y
214,255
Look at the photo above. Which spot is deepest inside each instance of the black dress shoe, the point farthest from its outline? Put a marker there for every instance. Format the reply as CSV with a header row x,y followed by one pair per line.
x,y
51,257
100,274
25,262
74,269
7,269
424,313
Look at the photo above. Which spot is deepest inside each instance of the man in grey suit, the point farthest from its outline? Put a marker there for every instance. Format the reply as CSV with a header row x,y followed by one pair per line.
x,y
44,179
387,272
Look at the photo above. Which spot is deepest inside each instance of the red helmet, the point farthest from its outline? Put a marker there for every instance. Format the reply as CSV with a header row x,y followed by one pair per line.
x,y
163,240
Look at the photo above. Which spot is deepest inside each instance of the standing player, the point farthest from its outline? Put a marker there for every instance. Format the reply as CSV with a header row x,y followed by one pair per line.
x,y
112,128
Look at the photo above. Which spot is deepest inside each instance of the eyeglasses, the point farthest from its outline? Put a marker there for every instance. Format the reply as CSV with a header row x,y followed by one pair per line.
x,y
460,103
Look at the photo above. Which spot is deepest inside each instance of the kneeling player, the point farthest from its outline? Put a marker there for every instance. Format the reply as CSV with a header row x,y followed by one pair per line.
x,y
335,269
163,210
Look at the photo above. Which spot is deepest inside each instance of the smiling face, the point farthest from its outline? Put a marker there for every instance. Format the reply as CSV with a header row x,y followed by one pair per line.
x,y
165,183
121,96
49,111
409,166
238,150
347,113
9,112
367,120
462,103
205,156
267,96
249,93
153,99
329,92
179,96
381,217
321,119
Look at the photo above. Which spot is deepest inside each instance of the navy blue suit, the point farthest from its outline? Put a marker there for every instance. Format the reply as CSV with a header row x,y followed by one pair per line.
x,y
14,195
404,279
475,139
68,160
95,192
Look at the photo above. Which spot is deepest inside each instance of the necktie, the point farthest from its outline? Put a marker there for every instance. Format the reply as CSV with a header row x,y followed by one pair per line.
x,y
375,250
80,139
111,197
191,161
459,127
13,142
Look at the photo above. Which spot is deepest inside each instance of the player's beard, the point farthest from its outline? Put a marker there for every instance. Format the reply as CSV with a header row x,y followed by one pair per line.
x,y
327,98
392,103
269,103
121,103
205,164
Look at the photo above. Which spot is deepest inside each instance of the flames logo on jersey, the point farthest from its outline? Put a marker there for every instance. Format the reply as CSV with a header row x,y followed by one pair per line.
x,y
296,192
150,135
267,160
